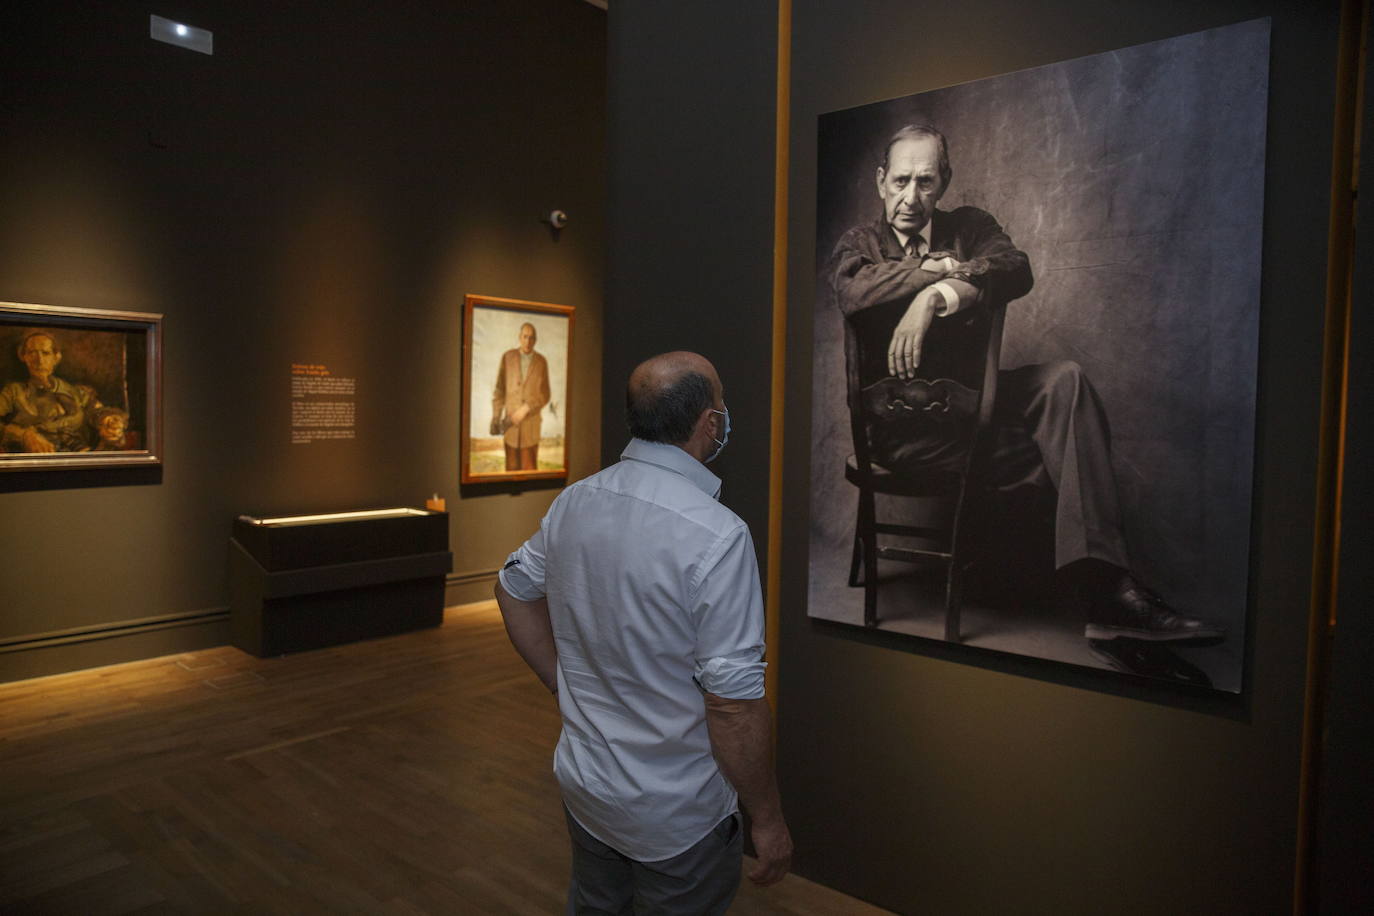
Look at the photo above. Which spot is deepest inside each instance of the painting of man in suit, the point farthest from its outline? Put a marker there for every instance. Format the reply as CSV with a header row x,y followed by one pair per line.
x,y
515,408
522,390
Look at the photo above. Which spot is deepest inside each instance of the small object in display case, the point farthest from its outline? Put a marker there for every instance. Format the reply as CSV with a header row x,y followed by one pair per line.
x,y
307,581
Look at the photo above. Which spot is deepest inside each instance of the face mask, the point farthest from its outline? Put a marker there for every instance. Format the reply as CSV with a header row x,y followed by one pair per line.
x,y
720,443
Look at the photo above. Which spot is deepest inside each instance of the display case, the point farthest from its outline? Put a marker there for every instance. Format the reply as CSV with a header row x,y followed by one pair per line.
x,y
307,581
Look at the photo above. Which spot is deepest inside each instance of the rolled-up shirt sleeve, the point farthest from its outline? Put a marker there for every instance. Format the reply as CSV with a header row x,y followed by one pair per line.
x,y
728,611
523,574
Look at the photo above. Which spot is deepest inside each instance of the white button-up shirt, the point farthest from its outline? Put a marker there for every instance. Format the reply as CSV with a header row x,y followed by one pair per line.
x,y
653,592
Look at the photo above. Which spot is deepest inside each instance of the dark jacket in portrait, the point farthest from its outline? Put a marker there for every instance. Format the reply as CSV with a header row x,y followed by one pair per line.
x,y
875,280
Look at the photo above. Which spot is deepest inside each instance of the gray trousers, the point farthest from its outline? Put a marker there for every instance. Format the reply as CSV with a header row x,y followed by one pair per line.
x,y
1051,432
702,880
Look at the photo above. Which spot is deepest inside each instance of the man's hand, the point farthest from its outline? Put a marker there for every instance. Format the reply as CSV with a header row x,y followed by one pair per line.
x,y
941,266
904,352
34,441
518,415
773,846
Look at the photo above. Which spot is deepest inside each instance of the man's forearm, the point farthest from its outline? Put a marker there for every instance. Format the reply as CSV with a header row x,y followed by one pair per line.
x,y
531,632
27,437
741,740
862,284
966,292
994,263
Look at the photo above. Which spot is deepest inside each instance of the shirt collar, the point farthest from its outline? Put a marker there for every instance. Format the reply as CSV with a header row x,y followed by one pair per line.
x,y
55,385
924,233
672,458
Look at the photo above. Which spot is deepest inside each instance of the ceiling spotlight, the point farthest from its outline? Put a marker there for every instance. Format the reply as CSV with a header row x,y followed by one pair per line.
x,y
181,35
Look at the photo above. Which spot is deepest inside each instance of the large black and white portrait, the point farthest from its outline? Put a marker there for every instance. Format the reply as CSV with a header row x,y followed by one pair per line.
x,y
1036,334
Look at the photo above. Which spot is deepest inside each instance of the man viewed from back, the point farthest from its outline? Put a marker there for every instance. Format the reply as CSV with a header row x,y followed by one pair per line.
x,y
637,603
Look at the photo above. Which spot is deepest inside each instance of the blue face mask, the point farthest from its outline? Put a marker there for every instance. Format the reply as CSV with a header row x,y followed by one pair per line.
x,y
725,437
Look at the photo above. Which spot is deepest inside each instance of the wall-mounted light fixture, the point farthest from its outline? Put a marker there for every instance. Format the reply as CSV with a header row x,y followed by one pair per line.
x,y
181,35
289,520
556,218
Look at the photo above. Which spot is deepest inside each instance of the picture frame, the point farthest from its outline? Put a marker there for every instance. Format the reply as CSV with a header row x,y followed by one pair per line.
x,y
515,422
1079,525
79,388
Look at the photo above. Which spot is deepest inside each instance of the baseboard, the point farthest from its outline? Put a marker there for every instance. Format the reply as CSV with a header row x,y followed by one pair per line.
x,y
59,651
467,587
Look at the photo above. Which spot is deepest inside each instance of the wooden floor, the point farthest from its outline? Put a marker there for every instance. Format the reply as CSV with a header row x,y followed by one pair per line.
x,y
401,775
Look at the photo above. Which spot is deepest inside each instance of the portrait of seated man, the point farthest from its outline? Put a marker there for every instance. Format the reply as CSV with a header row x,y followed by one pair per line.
x,y
911,283
44,413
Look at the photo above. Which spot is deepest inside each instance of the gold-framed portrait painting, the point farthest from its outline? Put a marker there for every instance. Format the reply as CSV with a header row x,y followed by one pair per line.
x,y
79,388
516,382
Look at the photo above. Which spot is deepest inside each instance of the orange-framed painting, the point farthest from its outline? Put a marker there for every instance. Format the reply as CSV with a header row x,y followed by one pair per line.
x,y
517,359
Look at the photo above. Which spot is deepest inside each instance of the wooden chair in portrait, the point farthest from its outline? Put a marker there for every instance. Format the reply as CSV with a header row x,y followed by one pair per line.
x,y
941,536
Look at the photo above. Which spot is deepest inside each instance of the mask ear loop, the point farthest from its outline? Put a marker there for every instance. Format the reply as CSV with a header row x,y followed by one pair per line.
x,y
725,436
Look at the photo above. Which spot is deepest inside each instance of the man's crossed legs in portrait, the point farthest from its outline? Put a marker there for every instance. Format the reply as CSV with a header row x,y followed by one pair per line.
x,y
1052,432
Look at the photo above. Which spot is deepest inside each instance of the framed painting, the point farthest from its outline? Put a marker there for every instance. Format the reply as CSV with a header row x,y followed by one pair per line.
x,y
516,386
1036,344
79,388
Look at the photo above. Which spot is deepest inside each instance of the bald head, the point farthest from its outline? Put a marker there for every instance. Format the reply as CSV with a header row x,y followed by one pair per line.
x,y
667,394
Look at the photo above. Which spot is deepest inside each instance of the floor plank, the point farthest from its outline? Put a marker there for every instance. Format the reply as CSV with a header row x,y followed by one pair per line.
x,y
406,775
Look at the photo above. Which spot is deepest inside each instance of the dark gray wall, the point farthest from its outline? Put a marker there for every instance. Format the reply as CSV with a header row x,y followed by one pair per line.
x,y
690,131
325,188
921,777
1345,805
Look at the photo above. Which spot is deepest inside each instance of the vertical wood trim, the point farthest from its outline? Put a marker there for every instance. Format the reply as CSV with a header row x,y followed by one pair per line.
x,y
1350,63
781,162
